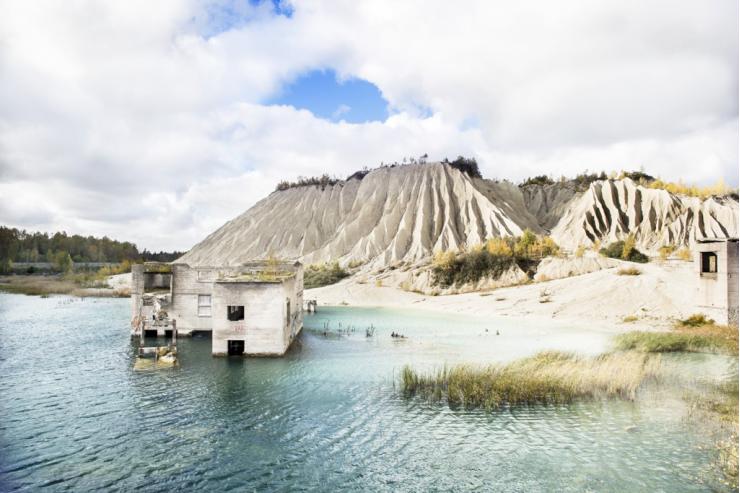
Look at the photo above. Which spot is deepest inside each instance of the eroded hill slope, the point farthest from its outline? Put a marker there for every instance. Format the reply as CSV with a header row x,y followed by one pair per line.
x,y
407,213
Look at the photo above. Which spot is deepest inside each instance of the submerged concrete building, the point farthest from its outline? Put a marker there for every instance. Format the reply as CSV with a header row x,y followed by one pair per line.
x,y
252,309
717,265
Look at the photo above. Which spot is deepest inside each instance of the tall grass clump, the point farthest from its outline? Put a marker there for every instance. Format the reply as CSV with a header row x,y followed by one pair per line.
x,y
317,275
549,377
666,251
684,254
702,338
629,271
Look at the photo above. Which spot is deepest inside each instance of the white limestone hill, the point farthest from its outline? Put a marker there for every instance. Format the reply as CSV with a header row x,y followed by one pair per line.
x,y
407,213
611,209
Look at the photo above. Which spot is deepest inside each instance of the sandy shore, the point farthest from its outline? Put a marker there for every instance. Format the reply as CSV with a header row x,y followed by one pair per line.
x,y
658,296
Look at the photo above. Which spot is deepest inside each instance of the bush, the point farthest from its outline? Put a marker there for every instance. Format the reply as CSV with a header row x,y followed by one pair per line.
x,y
684,254
359,175
63,262
585,179
696,320
666,250
321,181
452,270
317,275
629,271
718,189
537,180
622,251
469,166
491,259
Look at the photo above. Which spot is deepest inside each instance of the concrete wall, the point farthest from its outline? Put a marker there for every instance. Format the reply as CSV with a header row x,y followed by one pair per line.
x,y
187,284
732,283
263,329
137,289
717,294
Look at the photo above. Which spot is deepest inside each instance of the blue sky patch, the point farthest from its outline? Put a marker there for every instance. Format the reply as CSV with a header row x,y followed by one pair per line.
x,y
321,93
234,14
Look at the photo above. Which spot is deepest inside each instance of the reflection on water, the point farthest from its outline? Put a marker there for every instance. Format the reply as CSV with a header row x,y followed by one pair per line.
x,y
326,417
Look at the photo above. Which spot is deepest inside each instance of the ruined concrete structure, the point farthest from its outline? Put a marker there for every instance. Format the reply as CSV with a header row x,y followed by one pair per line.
x,y
252,309
717,267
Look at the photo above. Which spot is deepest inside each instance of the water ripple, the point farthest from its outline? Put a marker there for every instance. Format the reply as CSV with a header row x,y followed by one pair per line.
x,y
328,416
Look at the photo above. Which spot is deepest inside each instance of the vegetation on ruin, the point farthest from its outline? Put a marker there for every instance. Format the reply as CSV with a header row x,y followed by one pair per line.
x,y
324,274
491,259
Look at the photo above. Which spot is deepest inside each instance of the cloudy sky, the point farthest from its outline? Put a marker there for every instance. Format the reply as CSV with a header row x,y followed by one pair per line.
x,y
157,121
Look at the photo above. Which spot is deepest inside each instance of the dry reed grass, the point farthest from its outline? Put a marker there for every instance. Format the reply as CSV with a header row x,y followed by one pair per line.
x,y
706,338
547,378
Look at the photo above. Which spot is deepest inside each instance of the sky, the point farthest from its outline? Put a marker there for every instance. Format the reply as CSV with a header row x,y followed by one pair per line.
x,y
156,122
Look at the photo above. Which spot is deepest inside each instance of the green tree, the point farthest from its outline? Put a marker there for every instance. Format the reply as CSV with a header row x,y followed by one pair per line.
x,y
63,262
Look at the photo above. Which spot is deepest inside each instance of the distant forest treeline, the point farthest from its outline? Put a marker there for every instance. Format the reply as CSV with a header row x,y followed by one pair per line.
x,y
31,246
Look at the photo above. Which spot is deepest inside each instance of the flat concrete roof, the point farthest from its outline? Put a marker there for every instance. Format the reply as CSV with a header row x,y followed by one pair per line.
x,y
714,240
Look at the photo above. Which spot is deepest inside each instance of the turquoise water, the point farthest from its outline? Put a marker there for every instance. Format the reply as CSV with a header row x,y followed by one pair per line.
x,y
75,415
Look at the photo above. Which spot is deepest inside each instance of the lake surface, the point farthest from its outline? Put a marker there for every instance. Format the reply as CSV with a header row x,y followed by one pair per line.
x,y
75,416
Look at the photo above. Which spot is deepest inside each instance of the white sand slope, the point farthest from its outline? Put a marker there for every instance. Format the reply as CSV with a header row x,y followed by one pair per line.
x,y
662,293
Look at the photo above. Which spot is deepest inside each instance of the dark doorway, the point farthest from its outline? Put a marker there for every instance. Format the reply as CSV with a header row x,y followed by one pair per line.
x,y
235,313
150,333
708,263
236,348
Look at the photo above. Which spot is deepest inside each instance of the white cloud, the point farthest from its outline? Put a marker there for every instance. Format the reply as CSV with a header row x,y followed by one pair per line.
x,y
143,120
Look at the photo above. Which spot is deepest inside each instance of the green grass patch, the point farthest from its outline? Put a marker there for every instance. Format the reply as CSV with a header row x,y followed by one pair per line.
x,y
702,339
317,275
666,342
547,378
